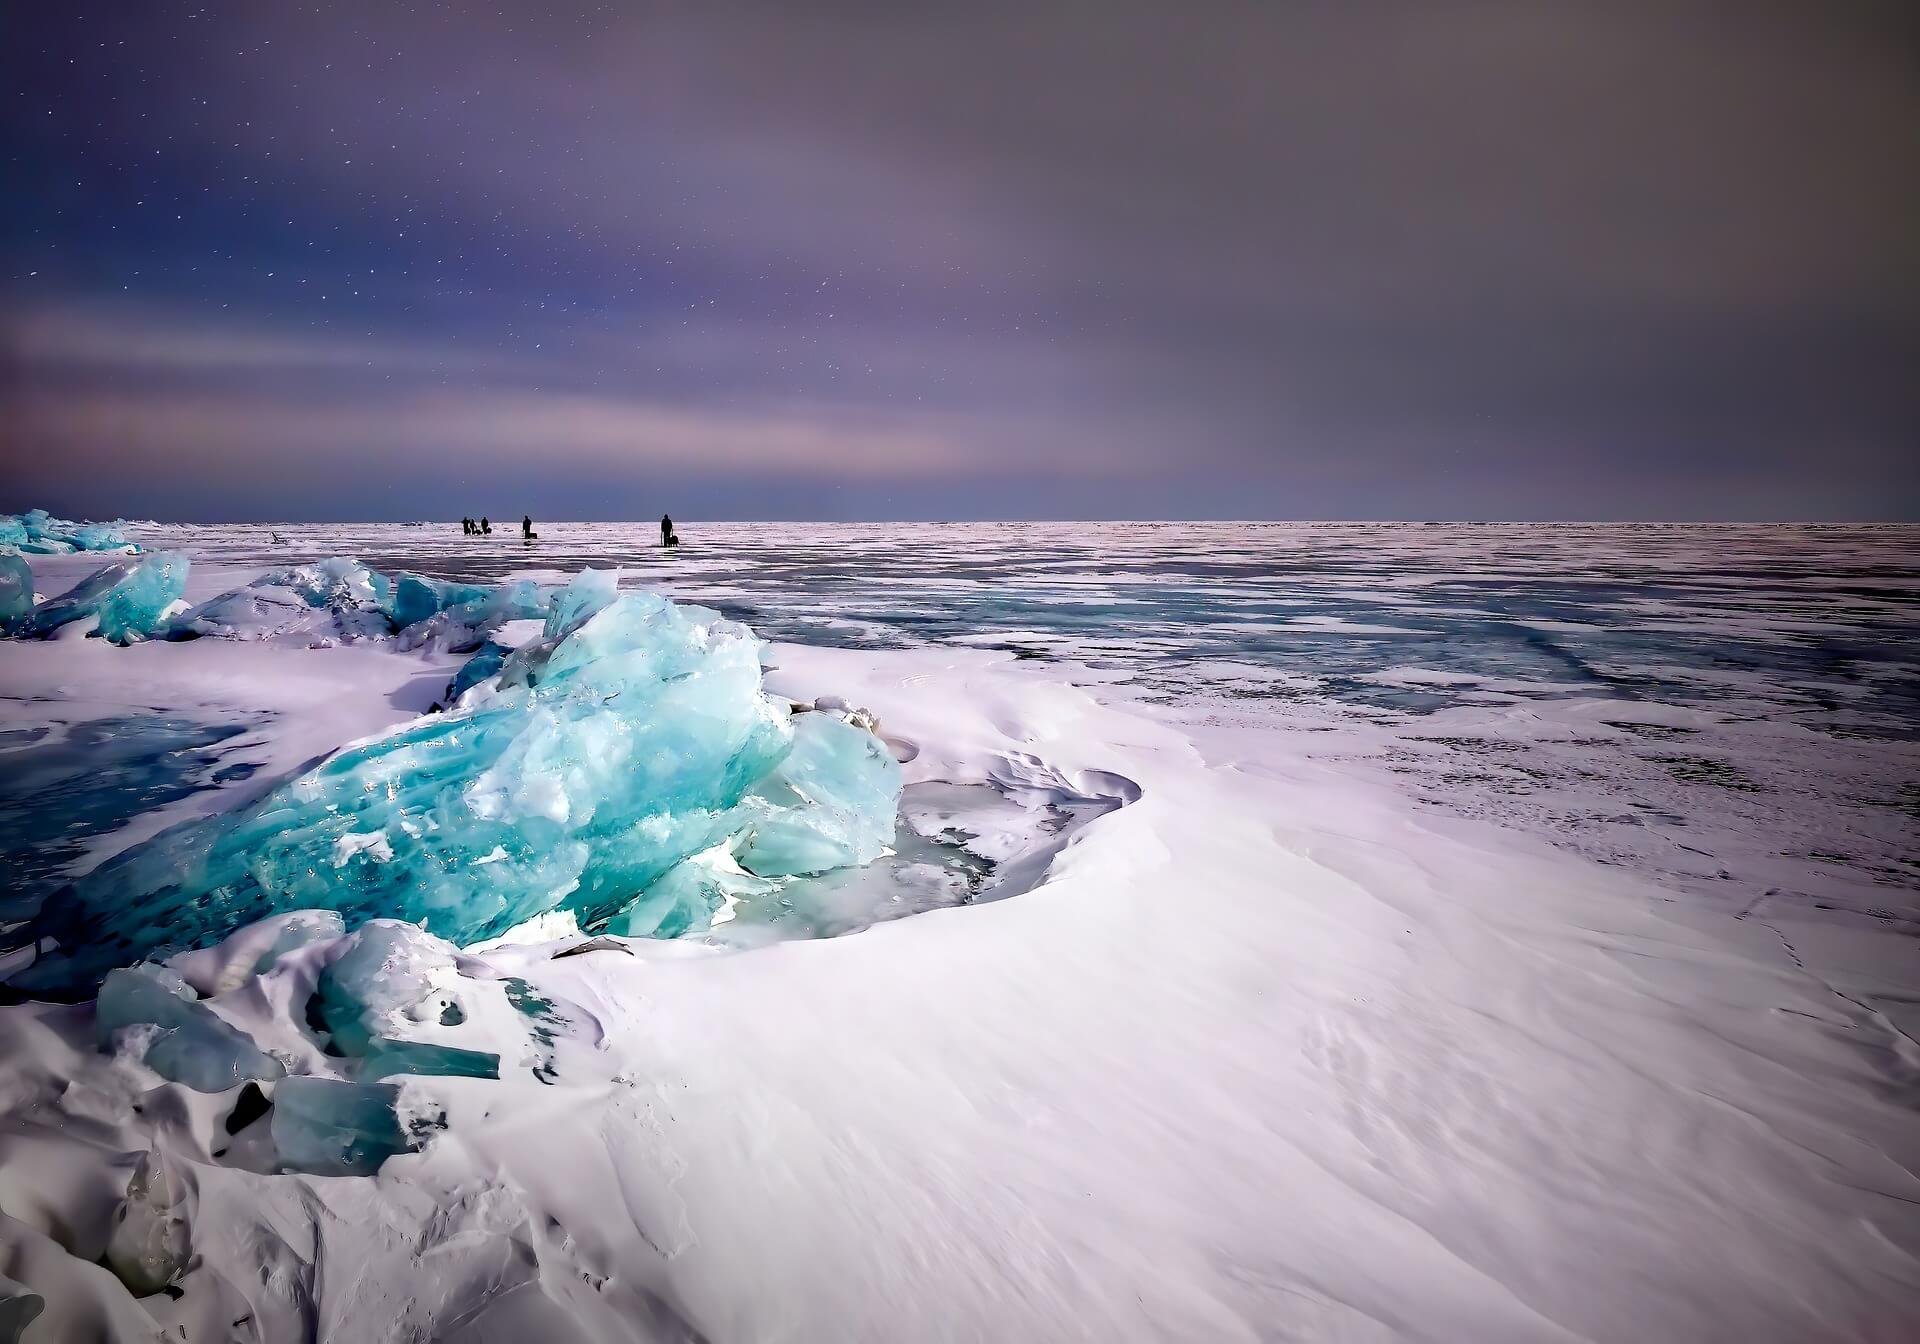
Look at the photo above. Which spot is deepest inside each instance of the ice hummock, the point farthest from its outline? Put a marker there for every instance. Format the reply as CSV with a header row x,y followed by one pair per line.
x,y
466,615
335,598
341,599
128,599
331,1127
632,736
16,592
155,1011
37,532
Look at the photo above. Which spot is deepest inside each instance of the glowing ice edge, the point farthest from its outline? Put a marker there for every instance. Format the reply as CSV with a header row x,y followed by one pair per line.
x,y
1268,1054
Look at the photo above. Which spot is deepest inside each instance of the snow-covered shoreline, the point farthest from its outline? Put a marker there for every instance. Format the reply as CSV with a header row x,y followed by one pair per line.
x,y
1268,1054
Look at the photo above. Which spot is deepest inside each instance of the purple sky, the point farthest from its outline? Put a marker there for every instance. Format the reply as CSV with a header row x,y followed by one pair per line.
x,y
1647,259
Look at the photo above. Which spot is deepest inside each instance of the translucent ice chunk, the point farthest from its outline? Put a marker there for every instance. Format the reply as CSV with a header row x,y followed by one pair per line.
x,y
628,740
336,598
43,534
385,1058
16,591
590,593
416,598
251,613
96,536
465,624
688,897
150,1244
388,974
332,1128
831,803
485,663
338,581
187,1043
127,596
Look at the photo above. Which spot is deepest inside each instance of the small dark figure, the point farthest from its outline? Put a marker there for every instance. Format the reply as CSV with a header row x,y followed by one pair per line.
x,y
466,526
527,533
667,538
486,528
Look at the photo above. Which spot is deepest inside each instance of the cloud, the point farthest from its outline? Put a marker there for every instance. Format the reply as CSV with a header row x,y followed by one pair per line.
x,y
1487,258
99,336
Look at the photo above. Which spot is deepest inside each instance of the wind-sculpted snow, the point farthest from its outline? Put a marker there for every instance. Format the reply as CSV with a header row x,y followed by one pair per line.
x,y
128,599
633,735
39,533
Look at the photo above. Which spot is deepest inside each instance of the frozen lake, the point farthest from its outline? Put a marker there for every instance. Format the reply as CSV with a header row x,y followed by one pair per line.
x,y
1250,1026
1734,710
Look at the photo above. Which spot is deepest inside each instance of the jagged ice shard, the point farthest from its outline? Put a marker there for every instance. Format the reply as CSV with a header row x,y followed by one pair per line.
x,y
624,741
39,533
330,599
129,598
177,1037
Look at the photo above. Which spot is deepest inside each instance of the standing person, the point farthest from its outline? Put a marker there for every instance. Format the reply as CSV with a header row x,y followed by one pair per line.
x,y
526,527
666,531
485,526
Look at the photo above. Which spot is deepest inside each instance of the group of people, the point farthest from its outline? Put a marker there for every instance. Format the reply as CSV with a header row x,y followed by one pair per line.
x,y
484,528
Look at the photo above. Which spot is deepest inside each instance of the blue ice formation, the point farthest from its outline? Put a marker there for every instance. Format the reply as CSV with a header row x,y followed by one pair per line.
x,y
339,581
417,599
16,592
39,533
470,614
342,599
178,1037
386,1003
337,598
631,736
333,1128
316,603
829,804
688,897
393,983
129,598
388,974
387,1058
484,665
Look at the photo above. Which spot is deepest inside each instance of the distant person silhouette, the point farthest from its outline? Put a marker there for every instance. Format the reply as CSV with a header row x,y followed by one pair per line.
x,y
466,526
526,527
666,532
486,527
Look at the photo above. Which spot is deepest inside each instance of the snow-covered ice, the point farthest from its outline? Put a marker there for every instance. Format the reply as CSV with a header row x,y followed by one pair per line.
x,y
1270,973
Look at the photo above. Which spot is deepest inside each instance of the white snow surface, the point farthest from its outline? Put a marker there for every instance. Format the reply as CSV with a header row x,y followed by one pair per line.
x,y
1270,1054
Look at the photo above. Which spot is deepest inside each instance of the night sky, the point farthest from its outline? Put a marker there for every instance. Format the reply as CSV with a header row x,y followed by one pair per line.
x,y
1656,259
